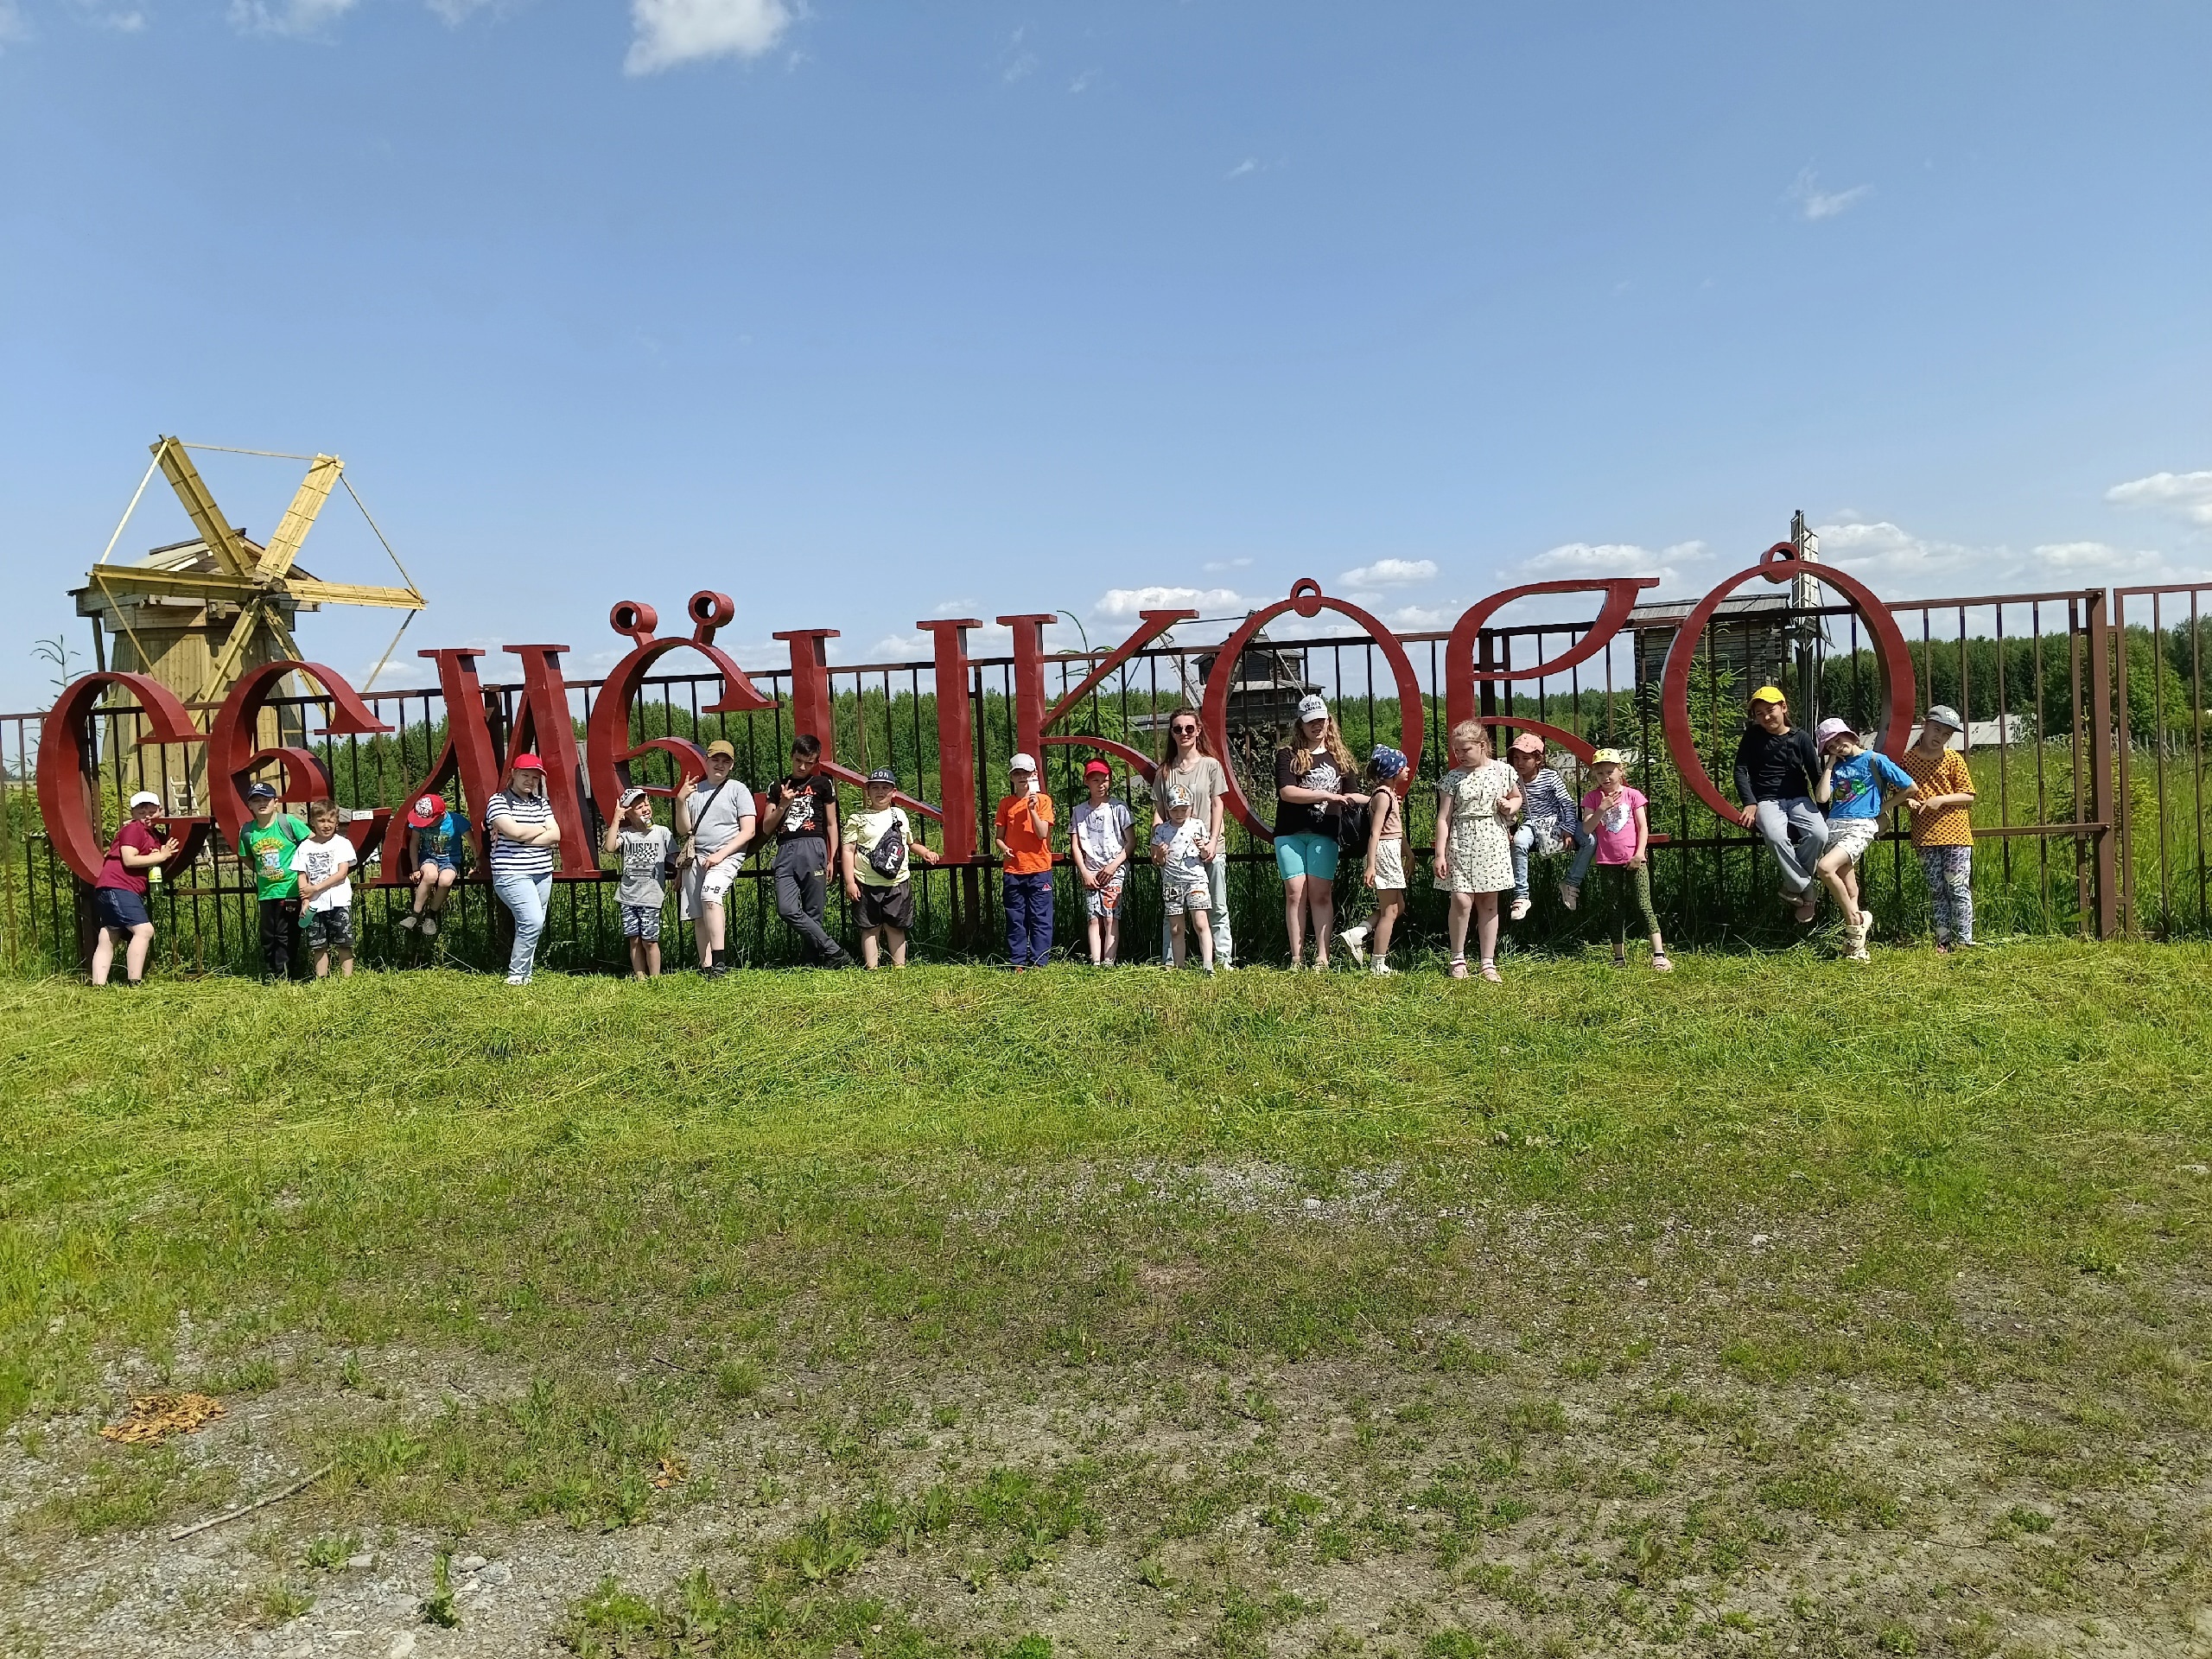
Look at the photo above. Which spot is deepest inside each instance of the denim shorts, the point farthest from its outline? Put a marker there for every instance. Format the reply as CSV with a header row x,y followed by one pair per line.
x,y
1306,854
436,861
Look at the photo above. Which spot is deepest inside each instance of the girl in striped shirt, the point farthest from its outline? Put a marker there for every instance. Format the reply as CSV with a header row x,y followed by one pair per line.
x,y
518,823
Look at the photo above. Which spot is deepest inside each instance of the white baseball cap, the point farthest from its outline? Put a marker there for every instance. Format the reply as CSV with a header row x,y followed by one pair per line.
x,y
1311,708
1022,763
144,798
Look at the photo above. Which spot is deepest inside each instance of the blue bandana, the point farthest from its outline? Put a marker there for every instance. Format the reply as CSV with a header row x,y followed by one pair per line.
x,y
1386,761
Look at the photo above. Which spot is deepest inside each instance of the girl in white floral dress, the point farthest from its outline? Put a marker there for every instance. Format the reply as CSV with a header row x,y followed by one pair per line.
x,y
1475,803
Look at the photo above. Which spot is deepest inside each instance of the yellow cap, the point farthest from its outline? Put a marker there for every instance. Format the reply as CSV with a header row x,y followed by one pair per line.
x,y
1769,694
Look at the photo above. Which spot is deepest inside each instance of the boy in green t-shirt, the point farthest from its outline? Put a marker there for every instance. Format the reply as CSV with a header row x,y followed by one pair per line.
x,y
266,847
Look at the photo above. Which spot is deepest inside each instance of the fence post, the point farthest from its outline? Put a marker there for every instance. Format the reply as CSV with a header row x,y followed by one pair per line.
x,y
2124,743
2111,809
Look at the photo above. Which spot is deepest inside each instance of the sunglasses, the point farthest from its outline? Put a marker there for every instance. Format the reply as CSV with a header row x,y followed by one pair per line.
x,y
1184,731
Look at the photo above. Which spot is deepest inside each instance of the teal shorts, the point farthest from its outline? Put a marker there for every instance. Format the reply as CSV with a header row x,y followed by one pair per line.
x,y
1306,854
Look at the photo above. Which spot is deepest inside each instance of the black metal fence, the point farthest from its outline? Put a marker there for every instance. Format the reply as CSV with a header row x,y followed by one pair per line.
x,y
2035,675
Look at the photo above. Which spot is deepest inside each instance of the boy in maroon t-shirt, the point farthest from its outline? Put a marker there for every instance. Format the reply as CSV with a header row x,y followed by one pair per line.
x,y
119,894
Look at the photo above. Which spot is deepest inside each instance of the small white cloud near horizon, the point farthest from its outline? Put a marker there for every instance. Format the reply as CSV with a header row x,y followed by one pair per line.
x,y
2187,494
1390,573
1898,564
1121,602
670,32
1215,567
297,19
1815,203
1249,164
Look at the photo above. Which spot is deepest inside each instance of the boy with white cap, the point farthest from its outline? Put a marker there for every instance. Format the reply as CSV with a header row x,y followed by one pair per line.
x,y
1943,825
133,857
1022,836
643,847
1857,785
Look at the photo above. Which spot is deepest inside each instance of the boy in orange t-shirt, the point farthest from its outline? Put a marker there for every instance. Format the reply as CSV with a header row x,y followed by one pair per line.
x,y
1022,833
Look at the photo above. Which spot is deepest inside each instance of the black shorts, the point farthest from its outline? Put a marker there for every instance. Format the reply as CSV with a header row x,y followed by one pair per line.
x,y
888,907
330,930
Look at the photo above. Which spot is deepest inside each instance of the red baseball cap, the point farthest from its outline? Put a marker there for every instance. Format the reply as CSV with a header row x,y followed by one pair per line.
x,y
1096,769
428,810
525,762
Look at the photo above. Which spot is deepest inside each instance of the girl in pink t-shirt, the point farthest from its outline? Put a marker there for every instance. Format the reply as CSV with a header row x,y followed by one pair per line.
x,y
1616,814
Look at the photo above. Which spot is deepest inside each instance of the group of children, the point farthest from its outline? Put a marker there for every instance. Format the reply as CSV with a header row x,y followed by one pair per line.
x,y
1818,800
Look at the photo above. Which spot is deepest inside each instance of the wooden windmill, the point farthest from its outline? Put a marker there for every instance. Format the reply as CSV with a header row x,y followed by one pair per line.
x,y
198,615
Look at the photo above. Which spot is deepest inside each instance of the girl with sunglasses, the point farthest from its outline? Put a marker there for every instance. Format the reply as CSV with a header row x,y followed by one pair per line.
x,y
1187,759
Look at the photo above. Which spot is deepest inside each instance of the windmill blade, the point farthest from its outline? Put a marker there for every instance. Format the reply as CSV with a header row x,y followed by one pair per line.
x,y
227,545
345,593
299,518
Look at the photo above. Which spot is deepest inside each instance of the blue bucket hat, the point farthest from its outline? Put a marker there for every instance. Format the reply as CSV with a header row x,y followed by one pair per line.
x,y
1387,761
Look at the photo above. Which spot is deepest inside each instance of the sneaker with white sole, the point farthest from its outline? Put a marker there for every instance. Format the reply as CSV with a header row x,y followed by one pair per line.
x,y
1520,908
1354,939
1569,894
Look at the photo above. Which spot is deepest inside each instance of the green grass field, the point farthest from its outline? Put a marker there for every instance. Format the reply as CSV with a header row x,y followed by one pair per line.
x,y
1774,1307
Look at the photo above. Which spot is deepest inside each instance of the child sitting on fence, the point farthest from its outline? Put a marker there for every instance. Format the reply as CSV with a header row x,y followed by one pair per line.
x,y
1857,785
325,863
1550,822
1386,861
266,845
1618,821
437,842
879,842
1105,834
644,848
1185,885
1943,825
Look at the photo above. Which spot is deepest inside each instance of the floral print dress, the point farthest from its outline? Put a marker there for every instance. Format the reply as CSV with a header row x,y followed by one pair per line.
x,y
1478,851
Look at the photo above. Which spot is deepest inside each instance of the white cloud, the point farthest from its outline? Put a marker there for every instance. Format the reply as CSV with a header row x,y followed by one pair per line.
x,y
1249,164
13,26
1082,83
122,20
1215,567
1127,602
1898,564
1018,62
297,18
1417,618
2188,494
670,32
453,13
1390,573
1815,203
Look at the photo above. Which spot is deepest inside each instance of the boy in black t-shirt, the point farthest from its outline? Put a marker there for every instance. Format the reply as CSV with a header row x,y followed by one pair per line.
x,y
801,812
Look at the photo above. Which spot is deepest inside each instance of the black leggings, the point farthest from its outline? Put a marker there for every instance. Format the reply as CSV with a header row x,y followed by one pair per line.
x,y
1621,878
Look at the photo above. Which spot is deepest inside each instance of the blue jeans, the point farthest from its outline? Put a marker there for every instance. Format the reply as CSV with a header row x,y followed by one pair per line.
x,y
1524,842
525,898
1029,919
1798,832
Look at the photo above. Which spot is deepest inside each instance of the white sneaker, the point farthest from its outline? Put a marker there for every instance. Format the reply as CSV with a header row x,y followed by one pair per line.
x,y
1355,940
517,979
409,922
1520,908
1569,894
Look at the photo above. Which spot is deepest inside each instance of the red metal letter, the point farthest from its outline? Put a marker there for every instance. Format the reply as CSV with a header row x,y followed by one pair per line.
x,y
956,735
546,725
68,762
1460,674
232,756
1890,653
1152,624
813,711
607,749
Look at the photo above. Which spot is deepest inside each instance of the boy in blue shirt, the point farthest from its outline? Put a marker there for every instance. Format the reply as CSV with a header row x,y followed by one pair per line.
x,y
1857,785
436,843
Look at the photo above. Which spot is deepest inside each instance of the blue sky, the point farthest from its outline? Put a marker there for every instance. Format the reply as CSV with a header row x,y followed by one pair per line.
x,y
870,313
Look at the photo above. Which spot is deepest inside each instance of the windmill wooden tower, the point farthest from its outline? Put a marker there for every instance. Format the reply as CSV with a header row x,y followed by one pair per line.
x,y
198,615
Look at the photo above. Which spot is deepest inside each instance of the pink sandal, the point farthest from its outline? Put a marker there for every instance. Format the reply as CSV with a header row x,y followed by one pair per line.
x,y
1459,967
1489,973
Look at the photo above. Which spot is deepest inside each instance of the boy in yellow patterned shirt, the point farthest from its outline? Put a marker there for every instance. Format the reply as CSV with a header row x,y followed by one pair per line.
x,y
1943,825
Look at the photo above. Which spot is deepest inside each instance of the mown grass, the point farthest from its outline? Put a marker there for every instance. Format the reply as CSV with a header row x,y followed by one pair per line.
x,y
615,1224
